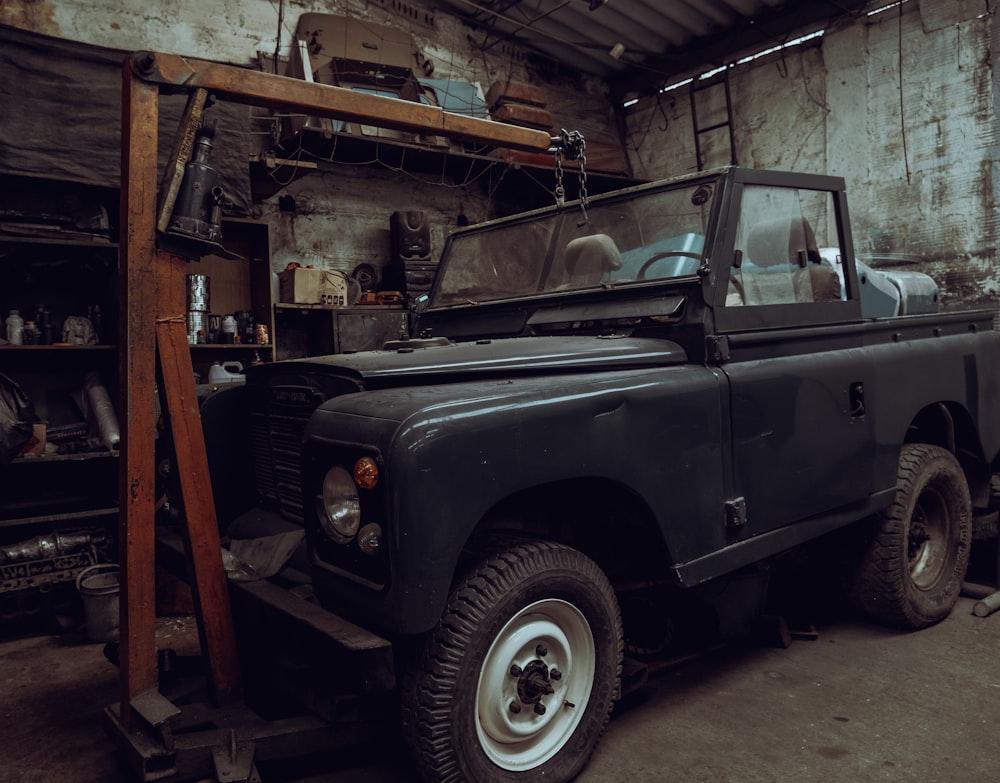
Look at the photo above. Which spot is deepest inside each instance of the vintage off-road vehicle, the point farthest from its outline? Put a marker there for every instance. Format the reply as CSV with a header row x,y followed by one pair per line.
x,y
620,409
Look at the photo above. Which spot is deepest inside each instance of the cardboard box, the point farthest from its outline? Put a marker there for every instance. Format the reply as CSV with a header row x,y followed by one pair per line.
x,y
313,286
35,446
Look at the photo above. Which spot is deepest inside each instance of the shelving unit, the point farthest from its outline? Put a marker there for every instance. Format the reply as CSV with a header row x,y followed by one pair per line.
x,y
235,285
56,251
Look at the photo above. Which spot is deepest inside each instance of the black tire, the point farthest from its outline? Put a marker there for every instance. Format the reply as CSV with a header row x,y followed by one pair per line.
x,y
518,615
911,571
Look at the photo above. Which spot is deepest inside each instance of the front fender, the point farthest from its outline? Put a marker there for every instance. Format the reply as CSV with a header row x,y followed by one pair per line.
x,y
452,453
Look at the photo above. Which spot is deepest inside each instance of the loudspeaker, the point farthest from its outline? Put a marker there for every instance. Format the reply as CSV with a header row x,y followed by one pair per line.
x,y
411,236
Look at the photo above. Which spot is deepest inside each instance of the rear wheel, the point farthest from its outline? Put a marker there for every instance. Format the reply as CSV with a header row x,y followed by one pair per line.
x,y
518,680
912,569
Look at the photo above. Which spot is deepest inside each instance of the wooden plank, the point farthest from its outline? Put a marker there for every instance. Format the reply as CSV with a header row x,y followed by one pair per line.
x,y
173,176
286,94
209,588
137,299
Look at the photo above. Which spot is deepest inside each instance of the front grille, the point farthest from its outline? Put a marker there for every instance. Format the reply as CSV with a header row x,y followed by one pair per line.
x,y
277,445
278,417
280,407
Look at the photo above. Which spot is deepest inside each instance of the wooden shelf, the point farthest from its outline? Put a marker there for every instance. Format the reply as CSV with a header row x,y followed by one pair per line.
x,y
98,242
72,516
326,151
81,456
58,347
338,308
212,347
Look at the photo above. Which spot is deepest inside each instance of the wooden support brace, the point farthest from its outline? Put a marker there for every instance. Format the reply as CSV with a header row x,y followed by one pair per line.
x,y
209,588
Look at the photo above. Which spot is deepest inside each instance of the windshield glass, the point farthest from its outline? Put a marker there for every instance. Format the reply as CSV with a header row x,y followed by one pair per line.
x,y
647,236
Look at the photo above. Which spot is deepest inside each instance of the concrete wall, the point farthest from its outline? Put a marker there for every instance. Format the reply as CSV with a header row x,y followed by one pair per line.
x,y
900,104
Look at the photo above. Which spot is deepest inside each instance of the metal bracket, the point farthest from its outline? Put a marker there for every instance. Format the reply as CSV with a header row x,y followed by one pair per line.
x,y
736,512
234,762
156,710
718,347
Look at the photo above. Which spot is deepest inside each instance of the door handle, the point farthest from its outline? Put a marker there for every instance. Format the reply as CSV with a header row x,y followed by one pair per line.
x,y
857,400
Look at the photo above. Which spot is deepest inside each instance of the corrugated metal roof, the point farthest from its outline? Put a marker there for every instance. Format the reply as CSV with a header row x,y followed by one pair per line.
x,y
639,44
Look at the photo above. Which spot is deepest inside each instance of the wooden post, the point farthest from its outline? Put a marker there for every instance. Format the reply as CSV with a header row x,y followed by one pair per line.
x,y
136,363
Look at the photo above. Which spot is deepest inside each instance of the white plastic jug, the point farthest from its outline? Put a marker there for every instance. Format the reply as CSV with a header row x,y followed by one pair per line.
x,y
226,372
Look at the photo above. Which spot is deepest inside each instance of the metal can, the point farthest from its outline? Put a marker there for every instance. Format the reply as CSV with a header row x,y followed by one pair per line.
x,y
262,335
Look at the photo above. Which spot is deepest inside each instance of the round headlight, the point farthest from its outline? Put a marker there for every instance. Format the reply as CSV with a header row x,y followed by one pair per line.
x,y
339,509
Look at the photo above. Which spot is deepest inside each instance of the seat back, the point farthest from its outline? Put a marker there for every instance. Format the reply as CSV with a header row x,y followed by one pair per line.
x,y
784,264
588,259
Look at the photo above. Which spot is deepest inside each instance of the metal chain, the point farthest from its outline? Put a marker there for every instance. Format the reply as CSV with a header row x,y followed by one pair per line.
x,y
560,191
571,144
584,198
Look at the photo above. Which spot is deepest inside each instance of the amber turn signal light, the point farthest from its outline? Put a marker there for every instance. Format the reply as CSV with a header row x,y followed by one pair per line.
x,y
366,473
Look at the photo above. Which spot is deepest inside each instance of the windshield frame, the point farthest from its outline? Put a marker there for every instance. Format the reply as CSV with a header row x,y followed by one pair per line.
x,y
684,255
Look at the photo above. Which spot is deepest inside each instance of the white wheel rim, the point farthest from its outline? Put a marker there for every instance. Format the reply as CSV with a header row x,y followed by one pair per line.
x,y
524,739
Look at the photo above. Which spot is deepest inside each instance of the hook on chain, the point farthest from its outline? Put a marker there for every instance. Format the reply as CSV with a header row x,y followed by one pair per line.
x,y
572,146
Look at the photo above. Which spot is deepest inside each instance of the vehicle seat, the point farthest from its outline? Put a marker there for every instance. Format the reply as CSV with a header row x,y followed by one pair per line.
x,y
785,264
588,259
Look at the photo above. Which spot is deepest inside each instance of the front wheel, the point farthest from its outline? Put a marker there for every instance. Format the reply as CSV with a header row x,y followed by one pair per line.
x,y
912,569
517,681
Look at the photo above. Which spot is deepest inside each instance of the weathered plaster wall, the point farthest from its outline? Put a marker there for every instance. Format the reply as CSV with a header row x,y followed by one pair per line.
x,y
900,104
341,217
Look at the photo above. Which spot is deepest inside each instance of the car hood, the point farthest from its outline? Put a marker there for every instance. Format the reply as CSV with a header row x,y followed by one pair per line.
x,y
434,361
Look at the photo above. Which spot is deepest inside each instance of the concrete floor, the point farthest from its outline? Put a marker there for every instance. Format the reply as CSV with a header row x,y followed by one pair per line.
x,y
857,704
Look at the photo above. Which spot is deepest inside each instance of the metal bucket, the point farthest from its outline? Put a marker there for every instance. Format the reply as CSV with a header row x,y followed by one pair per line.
x,y
98,586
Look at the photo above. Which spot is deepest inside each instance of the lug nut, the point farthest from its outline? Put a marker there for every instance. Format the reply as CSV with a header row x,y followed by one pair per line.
x,y
541,651
539,708
555,674
515,670
515,707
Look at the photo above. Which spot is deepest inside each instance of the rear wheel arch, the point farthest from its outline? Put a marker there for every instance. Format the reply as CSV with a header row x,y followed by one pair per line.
x,y
949,425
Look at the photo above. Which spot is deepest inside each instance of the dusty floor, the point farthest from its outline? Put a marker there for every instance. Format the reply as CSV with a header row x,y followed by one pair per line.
x,y
857,704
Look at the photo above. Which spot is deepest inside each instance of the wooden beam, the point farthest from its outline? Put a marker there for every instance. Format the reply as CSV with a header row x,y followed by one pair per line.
x,y
209,586
136,371
286,94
